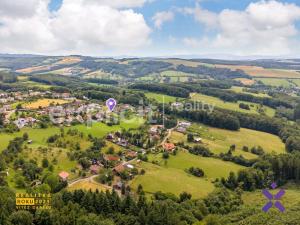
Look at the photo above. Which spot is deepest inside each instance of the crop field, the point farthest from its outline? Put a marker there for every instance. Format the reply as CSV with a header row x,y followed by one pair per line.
x,y
220,140
246,81
42,103
172,177
34,69
256,71
231,105
69,60
161,98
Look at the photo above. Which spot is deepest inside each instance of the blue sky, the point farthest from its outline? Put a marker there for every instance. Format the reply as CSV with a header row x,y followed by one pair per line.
x,y
151,27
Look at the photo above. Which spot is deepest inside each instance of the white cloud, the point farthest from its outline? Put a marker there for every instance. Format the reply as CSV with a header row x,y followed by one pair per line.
x,y
206,17
20,8
76,28
115,3
265,27
161,17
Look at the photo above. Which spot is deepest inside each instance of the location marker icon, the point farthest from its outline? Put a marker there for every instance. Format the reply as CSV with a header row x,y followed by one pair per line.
x,y
111,104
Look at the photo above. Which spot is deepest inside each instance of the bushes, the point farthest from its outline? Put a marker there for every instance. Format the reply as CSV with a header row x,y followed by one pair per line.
x,y
197,172
200,150
244,106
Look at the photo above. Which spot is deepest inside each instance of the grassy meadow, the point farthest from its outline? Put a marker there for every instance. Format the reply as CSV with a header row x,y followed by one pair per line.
x,y
40,136
172,177
241,90
231,105
219,140
275,82
161,98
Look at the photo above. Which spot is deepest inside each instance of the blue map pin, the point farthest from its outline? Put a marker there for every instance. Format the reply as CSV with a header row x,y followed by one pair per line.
x,y
111,104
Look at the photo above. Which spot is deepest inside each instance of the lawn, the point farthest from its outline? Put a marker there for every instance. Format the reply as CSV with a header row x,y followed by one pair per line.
x,y
44,103
173,178
231,105
219,140
161,98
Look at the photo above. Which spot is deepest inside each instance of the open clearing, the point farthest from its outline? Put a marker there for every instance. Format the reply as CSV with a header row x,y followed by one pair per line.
x,y
161,98
171,177
220,140
232,105
42,103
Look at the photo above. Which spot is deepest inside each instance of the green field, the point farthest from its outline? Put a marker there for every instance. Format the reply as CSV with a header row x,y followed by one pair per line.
x,y
257,199
296,82
232,105
177,76
40,136
240,90
219,140
161,98
277,82
173,178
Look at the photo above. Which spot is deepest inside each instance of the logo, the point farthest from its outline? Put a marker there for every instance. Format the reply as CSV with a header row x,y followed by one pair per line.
x,y
273,198
26,201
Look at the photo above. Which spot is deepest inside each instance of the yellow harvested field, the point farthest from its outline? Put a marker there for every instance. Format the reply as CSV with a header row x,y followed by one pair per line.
x,y
87,185
69,60
34,69
42,103
256,71
246,81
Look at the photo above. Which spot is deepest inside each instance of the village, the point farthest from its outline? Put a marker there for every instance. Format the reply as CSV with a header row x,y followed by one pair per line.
x,y
37,110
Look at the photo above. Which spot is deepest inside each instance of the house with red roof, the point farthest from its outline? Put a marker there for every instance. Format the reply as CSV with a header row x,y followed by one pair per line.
x,y
111,158
64,175
169,147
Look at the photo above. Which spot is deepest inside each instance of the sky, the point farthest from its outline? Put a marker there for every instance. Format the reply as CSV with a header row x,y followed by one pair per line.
x,y
151,27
